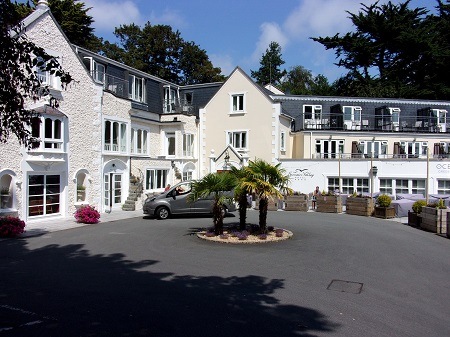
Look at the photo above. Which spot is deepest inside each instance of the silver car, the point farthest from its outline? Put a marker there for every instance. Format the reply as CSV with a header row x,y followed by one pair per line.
x,y
176,201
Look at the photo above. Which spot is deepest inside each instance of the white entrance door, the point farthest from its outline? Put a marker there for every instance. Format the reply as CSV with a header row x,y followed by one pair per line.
x,y
113,190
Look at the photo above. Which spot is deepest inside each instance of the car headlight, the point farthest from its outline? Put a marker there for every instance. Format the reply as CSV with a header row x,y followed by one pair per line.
x,y
150,199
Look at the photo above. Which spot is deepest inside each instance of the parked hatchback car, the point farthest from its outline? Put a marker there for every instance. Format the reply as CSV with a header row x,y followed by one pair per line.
x,y
176,201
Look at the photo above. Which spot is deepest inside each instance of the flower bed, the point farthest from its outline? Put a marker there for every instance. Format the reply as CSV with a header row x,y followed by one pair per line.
x,y
244,237
11,227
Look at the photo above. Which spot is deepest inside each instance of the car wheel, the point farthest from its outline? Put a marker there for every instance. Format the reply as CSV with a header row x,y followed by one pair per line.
x,y
162,213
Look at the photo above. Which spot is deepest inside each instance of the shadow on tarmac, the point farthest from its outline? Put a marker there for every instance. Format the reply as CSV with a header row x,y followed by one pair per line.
x,y
66,291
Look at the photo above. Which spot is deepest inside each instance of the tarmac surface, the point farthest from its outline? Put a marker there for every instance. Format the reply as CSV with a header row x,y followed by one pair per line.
x,y
58,224
339,275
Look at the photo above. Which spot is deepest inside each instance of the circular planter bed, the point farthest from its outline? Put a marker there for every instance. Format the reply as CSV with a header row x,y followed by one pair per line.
x,y
237,238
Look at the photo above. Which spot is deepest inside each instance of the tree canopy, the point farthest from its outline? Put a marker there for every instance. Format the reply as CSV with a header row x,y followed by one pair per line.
x,y
301,81
19,82
73,17
271,61
162,52
395,51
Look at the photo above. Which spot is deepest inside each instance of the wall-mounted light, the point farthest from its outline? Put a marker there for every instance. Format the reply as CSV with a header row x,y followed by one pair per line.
x,y
374,171
172,163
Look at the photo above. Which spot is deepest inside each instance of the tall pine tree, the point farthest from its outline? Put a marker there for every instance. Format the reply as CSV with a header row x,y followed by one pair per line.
x,y
269,71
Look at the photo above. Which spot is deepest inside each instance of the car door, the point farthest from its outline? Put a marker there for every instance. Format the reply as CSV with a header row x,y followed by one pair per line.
x,y
179,199
202,205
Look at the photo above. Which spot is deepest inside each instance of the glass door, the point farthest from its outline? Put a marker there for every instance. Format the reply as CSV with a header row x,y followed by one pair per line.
x,y
112,189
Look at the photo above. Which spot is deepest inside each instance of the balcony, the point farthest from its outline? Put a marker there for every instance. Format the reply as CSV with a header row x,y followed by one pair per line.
x,y
370,122
180,106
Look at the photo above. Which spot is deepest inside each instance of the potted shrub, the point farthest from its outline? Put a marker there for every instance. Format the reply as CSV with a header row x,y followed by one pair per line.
x,y
414,217
5,196
357,204
329,203
434,217
81,193
87,214
383,209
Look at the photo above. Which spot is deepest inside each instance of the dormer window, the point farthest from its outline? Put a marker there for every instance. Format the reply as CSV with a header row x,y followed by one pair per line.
x,y
136,87
96,69
45,77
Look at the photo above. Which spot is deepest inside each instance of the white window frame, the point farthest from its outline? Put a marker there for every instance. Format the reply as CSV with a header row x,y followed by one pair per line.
x,y
238,102
235,139
379,147
170,96
167,143
136,88
394,186
443,186
354,114
51,143
330,144
119,128
414,149
349,184
139,140
47,79
45,195
316,112
188,145
441,116
156,178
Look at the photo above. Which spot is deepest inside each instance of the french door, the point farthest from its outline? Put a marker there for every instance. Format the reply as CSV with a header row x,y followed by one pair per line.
x,y
112,189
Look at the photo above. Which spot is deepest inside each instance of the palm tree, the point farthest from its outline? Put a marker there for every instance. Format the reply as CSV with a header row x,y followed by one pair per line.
x,y
267,181
241,194
215,185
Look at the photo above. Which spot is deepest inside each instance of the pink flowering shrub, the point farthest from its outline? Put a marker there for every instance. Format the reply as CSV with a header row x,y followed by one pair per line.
x,y
11,227
87,214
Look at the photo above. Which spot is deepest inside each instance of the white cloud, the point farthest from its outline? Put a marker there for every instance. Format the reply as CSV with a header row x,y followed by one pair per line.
x,y
270,31
110,14
225,62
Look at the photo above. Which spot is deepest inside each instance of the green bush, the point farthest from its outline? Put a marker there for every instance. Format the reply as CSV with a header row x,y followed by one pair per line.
x,y
417,206
384,200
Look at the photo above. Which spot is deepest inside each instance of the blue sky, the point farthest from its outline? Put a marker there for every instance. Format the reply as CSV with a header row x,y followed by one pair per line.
x,y
237,32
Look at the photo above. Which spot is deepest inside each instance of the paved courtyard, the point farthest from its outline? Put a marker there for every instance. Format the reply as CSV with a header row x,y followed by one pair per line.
x,y
340,275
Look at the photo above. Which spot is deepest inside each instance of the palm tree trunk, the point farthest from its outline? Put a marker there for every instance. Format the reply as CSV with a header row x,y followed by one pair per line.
x,y
218,219
242,210
263,203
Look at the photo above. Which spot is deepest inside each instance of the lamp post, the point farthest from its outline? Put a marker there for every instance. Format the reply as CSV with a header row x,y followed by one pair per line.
x,y
226,160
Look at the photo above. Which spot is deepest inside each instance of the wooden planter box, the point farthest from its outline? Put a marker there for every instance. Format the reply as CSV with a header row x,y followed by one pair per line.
x,y
329,204
448,225
434,220
296,203
384,212
272,205
414,219
360,206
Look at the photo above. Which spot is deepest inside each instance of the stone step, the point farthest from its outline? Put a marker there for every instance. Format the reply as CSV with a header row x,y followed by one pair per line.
x,y
127,207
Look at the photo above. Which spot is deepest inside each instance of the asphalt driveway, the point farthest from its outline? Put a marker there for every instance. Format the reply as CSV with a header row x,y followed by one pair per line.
x,y
340,275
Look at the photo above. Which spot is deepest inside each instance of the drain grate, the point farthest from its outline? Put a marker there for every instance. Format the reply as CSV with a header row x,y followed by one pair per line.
x,y
345,286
